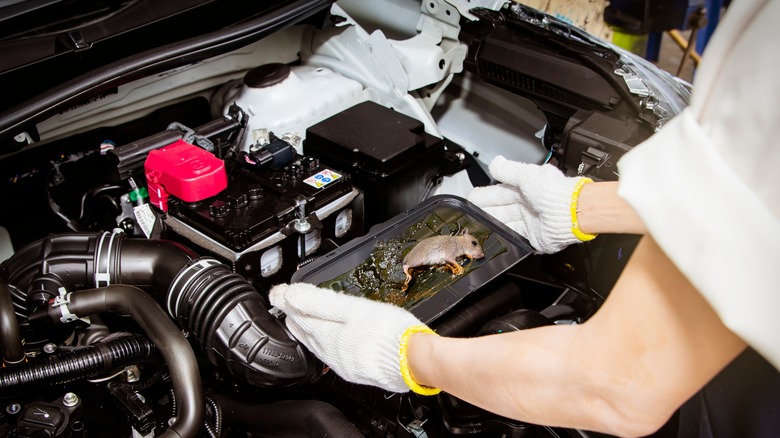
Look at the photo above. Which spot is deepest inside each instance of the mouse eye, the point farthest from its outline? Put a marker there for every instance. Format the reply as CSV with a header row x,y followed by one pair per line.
x,y
474,242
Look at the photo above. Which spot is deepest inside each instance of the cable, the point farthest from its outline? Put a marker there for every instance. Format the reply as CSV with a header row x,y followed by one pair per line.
x,y
79,364
217,413
171,343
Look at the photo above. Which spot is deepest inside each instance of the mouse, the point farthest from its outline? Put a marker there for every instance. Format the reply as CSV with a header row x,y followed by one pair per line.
x,y
442,250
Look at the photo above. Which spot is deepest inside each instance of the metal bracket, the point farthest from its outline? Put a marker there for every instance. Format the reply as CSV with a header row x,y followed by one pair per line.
x,y
416,428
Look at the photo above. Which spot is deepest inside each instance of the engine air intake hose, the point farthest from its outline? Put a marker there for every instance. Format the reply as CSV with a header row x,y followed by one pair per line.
x,y
222,308
230,319
84,363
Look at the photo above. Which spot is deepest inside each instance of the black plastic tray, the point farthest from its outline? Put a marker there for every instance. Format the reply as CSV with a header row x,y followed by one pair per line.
x,y
438,215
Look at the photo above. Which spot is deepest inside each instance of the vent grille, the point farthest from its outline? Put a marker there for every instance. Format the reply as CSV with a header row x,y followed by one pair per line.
x,y
514,81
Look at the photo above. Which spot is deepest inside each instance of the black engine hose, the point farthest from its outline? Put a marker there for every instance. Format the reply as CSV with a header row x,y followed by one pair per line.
x,y
84,260
229,318
222,308
304,418
168,339
11,348
84,363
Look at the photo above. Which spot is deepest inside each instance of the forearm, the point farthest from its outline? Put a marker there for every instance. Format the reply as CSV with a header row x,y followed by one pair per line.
x,y
554,376
540,376
601,210
528,375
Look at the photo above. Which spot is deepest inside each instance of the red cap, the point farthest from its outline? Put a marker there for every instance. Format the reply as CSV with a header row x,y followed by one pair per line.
x,y
184,171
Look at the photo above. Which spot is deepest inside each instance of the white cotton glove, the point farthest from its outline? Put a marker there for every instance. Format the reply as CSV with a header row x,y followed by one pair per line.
x,y
363,341
539,202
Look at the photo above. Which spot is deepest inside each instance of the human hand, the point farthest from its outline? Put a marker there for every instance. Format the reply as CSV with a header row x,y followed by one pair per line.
x,y
539,202
363,341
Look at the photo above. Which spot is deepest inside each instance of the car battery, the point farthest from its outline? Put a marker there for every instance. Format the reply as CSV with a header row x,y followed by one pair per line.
x,y
390,156
270,219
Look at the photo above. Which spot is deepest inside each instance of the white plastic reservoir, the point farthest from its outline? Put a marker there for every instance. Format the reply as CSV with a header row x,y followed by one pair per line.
x,y
287,100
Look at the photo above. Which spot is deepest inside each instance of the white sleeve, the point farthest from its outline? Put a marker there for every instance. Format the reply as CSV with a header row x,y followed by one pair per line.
x,y
707,186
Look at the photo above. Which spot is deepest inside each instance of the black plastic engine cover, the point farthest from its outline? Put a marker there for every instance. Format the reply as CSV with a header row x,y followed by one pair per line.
x,y
391,157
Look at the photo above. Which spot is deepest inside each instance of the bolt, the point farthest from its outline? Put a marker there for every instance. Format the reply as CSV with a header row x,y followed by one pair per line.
x,y
131,373
49,348
302,226
70,400
127,224
461,156
13,408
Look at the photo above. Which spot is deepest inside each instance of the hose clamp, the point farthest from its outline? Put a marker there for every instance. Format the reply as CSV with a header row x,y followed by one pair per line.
x,y
62,301
104,254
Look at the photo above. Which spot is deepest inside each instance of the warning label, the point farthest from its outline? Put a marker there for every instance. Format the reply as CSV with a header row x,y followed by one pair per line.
x,y
321,179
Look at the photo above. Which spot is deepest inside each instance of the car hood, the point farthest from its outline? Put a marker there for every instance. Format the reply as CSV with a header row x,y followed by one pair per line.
x,y
54,54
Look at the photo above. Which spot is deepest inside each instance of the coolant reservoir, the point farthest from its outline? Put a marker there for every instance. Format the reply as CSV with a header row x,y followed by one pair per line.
x,y
287,100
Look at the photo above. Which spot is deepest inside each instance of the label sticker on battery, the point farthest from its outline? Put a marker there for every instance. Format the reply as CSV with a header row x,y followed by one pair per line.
x,y
322,178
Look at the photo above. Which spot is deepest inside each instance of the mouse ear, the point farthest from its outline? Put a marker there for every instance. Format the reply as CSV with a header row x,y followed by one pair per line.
x,y
464,231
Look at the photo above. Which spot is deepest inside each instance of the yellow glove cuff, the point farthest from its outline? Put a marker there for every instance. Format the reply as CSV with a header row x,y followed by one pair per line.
x,y
407,376
575,225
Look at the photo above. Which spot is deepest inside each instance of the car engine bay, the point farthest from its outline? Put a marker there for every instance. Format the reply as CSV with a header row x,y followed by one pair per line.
x,y
149,206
